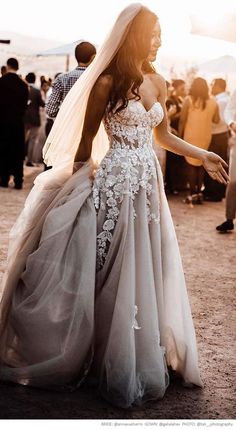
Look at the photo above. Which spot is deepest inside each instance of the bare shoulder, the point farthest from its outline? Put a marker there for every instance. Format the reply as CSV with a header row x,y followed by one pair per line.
x,y
104,83
158,80
101,89
159,83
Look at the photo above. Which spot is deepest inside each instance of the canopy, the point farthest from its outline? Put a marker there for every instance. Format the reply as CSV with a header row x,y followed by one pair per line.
x,y
61,50
223,28
225,64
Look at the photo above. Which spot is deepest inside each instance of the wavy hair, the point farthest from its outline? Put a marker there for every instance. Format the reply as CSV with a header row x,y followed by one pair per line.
x,y
199,91
123,68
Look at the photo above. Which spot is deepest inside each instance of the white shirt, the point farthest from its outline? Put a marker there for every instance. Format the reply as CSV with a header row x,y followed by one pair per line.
x,y
222,100
230,110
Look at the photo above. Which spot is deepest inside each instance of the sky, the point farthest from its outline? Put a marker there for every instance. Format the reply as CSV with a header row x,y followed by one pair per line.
x,y
71,20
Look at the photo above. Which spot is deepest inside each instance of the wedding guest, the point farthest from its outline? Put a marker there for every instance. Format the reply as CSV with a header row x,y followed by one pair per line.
x,y
37,155
84,54
176,99
42,79
214,191
44,89
32,118
13,103
3,70
230,118
198,112
49,121
169,89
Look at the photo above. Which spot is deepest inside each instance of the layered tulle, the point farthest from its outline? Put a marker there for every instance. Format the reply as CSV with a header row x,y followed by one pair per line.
x,y
142,320
76,306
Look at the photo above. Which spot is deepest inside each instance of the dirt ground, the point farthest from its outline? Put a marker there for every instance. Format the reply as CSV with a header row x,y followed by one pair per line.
x,y
209,261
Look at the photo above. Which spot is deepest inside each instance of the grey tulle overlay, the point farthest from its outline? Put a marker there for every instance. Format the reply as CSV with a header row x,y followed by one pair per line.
x,y
96,288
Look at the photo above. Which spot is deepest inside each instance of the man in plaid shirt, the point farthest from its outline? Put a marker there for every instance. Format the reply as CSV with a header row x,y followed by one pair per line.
x,y
84,54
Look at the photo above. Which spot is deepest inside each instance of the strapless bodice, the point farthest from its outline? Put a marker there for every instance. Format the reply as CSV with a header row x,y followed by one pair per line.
x,y
133,125
128,167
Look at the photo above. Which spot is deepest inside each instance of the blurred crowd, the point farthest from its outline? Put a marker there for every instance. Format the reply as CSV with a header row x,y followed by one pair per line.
x,y
205,116
28,108
196,113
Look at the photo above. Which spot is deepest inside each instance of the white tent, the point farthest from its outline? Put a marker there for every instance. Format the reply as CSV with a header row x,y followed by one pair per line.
x,y
225,64
63,50
224,28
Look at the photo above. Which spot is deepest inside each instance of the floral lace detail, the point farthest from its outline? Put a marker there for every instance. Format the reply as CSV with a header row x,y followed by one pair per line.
x,y
128,167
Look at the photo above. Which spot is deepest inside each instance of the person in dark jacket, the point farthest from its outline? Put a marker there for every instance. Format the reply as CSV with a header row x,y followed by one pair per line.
x,y
32,118
13,103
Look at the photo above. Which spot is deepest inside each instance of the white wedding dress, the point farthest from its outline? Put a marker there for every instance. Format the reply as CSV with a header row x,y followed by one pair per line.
x,y
103,291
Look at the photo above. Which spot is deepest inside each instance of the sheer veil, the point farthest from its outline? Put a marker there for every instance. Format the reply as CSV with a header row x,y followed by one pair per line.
x,y
64,138
59,152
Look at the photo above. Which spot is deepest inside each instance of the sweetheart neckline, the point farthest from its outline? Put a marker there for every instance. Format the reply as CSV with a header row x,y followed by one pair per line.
x,y
147,111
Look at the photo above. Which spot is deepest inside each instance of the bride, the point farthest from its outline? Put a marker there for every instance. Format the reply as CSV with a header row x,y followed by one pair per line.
x,y
95,286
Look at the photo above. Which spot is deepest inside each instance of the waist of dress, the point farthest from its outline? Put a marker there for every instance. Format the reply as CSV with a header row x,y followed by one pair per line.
x,y
134,156
139,147
128,132
130,141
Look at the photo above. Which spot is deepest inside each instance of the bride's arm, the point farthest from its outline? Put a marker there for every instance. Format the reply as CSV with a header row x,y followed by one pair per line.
x,y
95,110
211,161
168,140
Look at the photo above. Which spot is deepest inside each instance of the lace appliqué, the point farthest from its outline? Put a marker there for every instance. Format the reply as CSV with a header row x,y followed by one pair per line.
x,y
120,175
128,167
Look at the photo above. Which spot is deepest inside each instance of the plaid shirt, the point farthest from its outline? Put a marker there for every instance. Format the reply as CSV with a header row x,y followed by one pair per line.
x,y
60,88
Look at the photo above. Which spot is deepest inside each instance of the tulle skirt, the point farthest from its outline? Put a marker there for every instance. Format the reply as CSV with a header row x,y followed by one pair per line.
x,y
64,319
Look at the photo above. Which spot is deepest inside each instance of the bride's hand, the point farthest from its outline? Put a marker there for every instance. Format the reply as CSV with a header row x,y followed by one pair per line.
x,y
214,166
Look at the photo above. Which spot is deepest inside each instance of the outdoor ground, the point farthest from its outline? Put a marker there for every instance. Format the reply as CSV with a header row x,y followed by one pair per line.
x,y
209,261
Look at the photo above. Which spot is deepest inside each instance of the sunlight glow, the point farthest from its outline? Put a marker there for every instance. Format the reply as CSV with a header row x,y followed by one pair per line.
x,y
91,20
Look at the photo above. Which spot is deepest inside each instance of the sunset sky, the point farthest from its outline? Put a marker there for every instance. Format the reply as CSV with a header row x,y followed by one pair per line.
x,y
90,19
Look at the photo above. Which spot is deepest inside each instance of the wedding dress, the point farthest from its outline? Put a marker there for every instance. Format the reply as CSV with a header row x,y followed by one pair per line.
x,y
103,291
